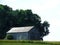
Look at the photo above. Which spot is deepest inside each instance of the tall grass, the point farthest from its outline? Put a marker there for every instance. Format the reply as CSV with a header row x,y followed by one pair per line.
x,y
30,41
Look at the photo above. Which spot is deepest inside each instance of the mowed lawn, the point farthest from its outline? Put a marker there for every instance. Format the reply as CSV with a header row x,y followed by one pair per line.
x,y
16,42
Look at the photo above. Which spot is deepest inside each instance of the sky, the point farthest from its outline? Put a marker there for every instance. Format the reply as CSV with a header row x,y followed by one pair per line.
x,y
47,9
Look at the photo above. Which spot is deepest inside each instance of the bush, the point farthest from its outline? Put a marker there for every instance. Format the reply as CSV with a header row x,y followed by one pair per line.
x,y
10,37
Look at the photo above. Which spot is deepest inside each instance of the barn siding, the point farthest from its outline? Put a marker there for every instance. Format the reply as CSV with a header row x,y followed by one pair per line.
x,y
20,36
34,34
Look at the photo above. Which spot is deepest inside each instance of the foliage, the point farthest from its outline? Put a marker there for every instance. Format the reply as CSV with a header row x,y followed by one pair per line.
x,y
46,25
9,37
16,18
43,28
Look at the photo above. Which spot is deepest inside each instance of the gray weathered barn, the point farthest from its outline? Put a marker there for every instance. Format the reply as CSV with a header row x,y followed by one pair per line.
x,y
24,33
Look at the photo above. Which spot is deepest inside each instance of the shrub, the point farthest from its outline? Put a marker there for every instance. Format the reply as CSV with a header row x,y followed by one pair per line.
x,y
10,37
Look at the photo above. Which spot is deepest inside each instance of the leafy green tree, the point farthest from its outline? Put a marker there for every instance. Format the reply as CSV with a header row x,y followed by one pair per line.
x,y
43,28
17,18
4,19
46,26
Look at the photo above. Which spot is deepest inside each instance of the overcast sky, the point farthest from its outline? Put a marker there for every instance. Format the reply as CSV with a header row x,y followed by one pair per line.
x,y
47,9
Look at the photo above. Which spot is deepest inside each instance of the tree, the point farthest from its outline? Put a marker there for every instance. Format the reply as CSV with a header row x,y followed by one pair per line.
x,y
43,28
46,26
17,18
4,19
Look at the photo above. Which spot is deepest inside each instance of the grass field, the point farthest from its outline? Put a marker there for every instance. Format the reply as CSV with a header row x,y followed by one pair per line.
x,y
16,42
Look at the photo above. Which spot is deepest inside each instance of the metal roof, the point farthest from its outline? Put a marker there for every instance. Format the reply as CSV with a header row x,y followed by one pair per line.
x,y
20,29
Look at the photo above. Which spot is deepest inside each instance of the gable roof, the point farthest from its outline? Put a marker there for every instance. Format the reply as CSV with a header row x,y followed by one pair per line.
x,y
20,29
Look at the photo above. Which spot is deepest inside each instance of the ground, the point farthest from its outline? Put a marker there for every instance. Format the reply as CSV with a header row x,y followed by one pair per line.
x,y
16,42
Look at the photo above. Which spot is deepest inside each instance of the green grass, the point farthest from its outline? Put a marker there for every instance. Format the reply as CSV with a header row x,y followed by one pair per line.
x,y
26,42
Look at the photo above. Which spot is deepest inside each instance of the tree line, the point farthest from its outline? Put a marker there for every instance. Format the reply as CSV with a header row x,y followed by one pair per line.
x,y
17,18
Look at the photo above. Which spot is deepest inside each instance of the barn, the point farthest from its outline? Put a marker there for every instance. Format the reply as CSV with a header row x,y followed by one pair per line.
x,y
24,33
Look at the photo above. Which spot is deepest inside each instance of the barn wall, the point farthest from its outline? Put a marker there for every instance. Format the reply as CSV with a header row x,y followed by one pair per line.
x,y
34,34
20,36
